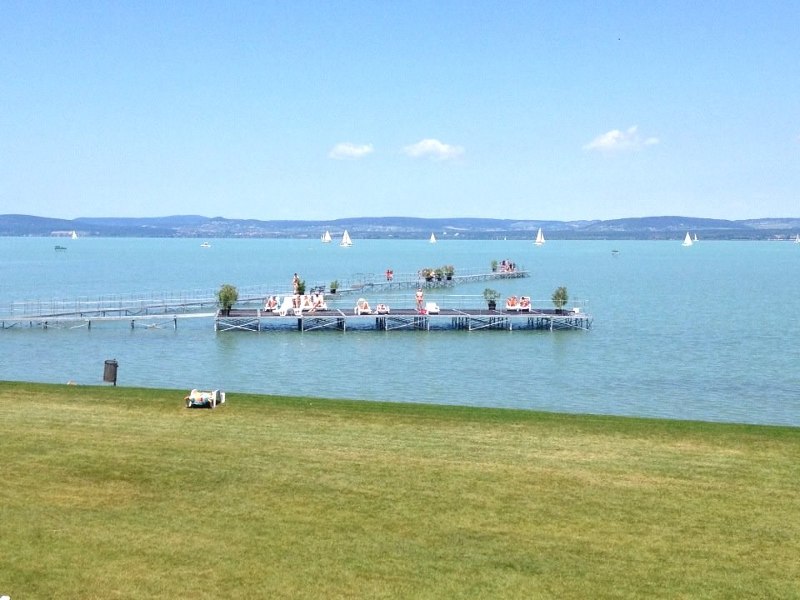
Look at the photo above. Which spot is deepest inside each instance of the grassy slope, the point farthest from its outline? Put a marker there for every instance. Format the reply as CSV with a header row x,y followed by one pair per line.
x,y
122,493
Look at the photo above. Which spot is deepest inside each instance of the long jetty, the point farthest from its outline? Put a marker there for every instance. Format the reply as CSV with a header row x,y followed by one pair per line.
x,y
163,309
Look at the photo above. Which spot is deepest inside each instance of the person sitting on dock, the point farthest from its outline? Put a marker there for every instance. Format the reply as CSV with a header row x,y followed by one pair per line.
x,y
420,296
271,304
362,307
525,303
511,303
306,302
318,302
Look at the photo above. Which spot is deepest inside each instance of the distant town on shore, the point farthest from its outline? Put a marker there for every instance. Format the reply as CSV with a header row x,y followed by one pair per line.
x,y
193,226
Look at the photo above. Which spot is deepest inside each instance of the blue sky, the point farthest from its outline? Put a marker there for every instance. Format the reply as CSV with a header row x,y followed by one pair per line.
x,y
322,110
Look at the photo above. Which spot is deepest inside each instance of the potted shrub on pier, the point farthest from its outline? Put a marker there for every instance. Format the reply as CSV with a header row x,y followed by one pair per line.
x,y
494,266
439,273
560,299
227,297
334,286
491,297
301,287
449,271
427,274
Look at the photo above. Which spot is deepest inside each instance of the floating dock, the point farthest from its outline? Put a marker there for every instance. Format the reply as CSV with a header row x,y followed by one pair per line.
x,y
404,319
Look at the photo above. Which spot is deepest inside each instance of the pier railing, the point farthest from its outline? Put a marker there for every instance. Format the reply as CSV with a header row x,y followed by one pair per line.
x,y
200,300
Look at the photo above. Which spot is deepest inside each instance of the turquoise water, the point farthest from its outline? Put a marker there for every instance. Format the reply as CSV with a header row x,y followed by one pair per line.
x,y
708,332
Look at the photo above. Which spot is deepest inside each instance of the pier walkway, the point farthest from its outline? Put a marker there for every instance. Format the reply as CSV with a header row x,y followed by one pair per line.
x,y
159,309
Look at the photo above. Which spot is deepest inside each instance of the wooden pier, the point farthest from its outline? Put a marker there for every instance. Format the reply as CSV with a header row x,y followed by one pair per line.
x,y
404,319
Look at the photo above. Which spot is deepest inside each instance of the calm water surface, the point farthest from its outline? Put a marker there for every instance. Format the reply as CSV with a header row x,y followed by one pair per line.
x,y
708,332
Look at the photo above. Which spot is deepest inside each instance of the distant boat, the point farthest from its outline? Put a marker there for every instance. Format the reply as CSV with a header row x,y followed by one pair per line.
x,y
205,245
614,252
326,237
695,237
74,235
346,241
687,241
797,238
433,239
539,238
59,248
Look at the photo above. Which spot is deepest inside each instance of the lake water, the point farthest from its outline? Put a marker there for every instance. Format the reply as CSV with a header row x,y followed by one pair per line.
x,y
708,332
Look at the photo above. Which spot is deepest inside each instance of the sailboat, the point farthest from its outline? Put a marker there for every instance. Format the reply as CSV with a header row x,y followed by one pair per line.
x,y
687,241
326,237
433,239
695,237
539,238
74,235
797,238
346,241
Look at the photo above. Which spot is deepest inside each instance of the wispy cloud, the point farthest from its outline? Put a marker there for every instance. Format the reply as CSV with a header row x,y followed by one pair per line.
x,y
618,141
348,151
433,149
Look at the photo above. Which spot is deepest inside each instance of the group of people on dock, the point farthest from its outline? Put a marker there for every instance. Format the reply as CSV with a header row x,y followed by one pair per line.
x,y
507,266
316,300
521,303
298,302
362,306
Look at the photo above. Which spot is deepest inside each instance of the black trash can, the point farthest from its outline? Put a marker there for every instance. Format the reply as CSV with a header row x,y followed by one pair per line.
x,y
110,371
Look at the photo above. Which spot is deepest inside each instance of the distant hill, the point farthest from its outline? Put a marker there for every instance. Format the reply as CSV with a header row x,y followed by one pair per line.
x,y
664,227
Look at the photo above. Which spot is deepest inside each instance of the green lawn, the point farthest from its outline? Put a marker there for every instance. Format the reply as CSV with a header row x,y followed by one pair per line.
x,y
123,493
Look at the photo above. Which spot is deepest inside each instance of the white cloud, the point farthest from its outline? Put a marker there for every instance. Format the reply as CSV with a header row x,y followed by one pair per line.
x,y
346,150
616,141
433,149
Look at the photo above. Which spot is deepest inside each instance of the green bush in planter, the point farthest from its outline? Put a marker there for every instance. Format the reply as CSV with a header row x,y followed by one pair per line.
x,y
560,298
227,296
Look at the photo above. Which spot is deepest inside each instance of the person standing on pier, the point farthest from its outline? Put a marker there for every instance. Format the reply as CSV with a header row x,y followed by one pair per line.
x,y
420,297
295,284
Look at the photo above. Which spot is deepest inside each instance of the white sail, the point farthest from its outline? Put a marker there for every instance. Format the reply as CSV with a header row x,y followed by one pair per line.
x,y
326,237
539,238
74,235
797,238
695,237
687,241
433,239
346,241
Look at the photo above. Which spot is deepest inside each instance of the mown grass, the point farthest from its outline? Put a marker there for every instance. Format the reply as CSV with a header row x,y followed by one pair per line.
x,y
123,493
